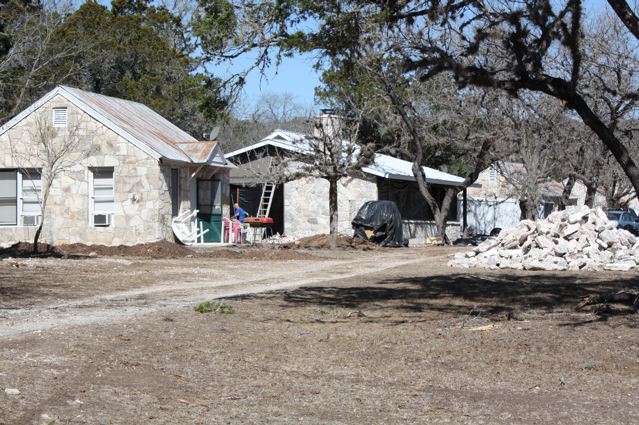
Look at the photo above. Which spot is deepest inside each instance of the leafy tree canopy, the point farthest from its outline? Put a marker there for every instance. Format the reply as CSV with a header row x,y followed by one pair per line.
x,y
133,50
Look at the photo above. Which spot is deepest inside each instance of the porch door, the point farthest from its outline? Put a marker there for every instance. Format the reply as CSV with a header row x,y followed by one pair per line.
x,y
209,205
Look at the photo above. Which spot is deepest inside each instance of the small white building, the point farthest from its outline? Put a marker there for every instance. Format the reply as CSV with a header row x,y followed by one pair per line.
x,y
131,173
300,206
493,203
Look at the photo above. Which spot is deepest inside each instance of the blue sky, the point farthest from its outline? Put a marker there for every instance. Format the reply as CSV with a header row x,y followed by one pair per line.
x,y
297,76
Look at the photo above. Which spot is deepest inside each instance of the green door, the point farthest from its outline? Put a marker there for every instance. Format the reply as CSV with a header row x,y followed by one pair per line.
x,y
209,205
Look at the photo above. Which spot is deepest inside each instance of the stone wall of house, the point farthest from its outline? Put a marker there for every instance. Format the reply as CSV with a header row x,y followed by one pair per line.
x,y
306,204
418,231
142,198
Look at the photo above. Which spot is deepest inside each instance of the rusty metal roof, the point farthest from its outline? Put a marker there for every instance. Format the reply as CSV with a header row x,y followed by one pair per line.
x,y
137,120
200,152
136,123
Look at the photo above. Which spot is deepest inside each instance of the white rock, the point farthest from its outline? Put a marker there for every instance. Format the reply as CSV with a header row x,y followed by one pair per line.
x,y
511,253
580,240
486,245
601,215
557,216
577,264
11,391
562,248
543,265
609,237
543,227
511,241
543,242
620,267
578,216
569,230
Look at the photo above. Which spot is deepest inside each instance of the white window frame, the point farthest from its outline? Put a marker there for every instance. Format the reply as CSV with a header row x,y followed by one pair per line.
x,y
18,206
23,199
92,197
492,176
54,117
20,201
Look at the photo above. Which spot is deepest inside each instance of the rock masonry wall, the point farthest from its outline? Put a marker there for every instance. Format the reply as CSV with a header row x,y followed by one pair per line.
x,y
306,204
582,239
142,199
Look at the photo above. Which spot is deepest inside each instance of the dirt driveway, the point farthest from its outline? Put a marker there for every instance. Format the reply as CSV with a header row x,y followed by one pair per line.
x,y
391,336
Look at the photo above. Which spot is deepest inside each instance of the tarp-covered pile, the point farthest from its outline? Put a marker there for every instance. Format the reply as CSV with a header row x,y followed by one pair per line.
x,y
581,239
381,223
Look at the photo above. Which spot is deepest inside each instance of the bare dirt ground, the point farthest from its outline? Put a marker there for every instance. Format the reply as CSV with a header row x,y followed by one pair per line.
x,y
345,337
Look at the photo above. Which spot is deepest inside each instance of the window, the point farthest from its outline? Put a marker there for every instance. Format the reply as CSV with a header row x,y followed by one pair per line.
x,y
20,198
493,174
175,191
31,198
8,197
59,117
101,203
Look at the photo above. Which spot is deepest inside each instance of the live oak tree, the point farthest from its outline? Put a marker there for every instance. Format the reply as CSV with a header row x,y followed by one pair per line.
x,y
511,46
331,147
136,50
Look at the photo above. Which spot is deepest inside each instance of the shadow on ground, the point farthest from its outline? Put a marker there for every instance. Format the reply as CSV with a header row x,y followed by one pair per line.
x,y
493,295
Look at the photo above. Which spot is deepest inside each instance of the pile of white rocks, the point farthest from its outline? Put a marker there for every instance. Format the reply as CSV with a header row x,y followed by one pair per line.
x,y
579,239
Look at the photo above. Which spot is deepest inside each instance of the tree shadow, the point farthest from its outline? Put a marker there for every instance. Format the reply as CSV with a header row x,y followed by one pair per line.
x,y
496,294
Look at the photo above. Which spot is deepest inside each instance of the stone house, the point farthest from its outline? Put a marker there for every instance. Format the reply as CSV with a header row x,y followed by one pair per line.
x,y
130,173
494,202
300,206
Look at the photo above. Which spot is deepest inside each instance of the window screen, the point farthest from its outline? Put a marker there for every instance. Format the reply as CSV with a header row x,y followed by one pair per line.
x,y
31,197
8,197
102,193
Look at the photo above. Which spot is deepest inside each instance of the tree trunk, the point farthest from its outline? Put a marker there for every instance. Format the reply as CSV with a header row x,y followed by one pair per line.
x,y
528,209
37,236
43,207
332,211
591,193
565,195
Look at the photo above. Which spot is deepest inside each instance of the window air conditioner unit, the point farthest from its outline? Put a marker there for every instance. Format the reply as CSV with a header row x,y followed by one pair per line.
x,y
31,220
102,220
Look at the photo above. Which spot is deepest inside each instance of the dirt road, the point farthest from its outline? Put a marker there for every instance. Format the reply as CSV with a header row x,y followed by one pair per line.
x,y
387,337
215,280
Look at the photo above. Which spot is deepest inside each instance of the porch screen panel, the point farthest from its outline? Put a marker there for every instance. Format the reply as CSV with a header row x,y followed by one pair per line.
x,y
175,191
410,201
8,197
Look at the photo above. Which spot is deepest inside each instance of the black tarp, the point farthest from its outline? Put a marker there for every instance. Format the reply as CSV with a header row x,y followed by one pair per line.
x,y
384,219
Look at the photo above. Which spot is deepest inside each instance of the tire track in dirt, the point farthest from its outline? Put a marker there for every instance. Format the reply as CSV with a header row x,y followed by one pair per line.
x,y
126,305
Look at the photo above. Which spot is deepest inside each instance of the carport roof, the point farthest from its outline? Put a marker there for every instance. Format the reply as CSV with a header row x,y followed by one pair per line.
x,y
384,166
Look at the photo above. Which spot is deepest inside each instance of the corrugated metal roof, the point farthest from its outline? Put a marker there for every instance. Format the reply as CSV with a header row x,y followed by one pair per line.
x,y
283,139
394,168
136,123
137,120
384,166
198,151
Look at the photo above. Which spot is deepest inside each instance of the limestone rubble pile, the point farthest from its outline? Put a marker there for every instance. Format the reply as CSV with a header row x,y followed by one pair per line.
x,y
581,239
